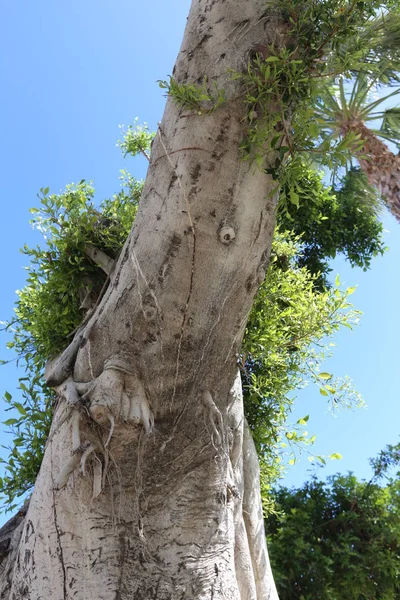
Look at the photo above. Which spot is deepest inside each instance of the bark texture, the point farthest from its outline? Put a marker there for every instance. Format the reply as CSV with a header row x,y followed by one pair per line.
x,y
381,166
149,485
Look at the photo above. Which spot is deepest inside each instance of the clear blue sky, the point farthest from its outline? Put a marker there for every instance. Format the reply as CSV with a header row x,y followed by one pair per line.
x,y
70,74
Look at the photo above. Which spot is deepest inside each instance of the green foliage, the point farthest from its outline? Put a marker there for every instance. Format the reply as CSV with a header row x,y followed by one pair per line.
x,y
137,139
336,540
30,426
337,107
48,308
285,337
290,315
379,44
386,461
284,344
331,41
203,99
330,221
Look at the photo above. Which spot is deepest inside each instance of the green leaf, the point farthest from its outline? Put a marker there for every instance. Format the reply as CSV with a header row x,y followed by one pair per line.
x,y
330,389
20,408
275,140
304,420
335,456
325,376
294,198
10,422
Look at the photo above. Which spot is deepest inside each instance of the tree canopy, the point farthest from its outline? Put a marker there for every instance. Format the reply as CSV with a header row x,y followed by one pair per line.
x,y
343,535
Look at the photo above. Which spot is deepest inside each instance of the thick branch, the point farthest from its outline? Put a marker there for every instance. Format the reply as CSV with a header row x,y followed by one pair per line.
x,y
99,257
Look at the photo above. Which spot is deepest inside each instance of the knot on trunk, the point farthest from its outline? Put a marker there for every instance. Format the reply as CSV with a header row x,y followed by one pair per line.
x,y
227,234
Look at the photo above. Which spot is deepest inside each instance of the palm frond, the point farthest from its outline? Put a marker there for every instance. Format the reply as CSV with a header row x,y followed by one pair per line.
x,y
381,37
391,123
368,108
375,49
362,84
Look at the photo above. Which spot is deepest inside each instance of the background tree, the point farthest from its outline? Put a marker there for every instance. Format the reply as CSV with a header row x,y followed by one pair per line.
x,y
342,113
342,219
344,536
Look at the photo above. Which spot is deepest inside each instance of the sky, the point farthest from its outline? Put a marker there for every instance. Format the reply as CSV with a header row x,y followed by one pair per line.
x,y
71,74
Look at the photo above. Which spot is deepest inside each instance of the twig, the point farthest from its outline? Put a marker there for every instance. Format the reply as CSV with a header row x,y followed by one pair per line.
x,y
100,258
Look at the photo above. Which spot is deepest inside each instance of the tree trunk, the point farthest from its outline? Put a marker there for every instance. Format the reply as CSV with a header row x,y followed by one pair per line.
x,y
149,484
381,166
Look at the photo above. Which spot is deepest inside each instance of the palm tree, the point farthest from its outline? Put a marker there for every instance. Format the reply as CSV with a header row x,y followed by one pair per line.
x,y
348,113
343,112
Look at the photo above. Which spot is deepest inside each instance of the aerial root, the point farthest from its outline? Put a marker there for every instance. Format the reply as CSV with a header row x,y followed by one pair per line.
x,y
81,456
112,424
76,434
138,407
89,450
66,471
97,477
214,415
116,391
105,469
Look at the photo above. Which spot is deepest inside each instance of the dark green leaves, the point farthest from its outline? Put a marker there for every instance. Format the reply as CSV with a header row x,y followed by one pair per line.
x,y
330,221
336,540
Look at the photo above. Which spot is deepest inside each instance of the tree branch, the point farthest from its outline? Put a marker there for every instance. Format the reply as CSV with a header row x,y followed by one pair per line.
x,y
100,258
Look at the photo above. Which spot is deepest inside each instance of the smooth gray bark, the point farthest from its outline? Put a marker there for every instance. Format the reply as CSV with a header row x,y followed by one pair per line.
x,y
149,485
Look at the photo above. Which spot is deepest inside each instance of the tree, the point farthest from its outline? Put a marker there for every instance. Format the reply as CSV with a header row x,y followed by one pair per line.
x,y
281,348
330,221
149,403
170,321
341,115
344,537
